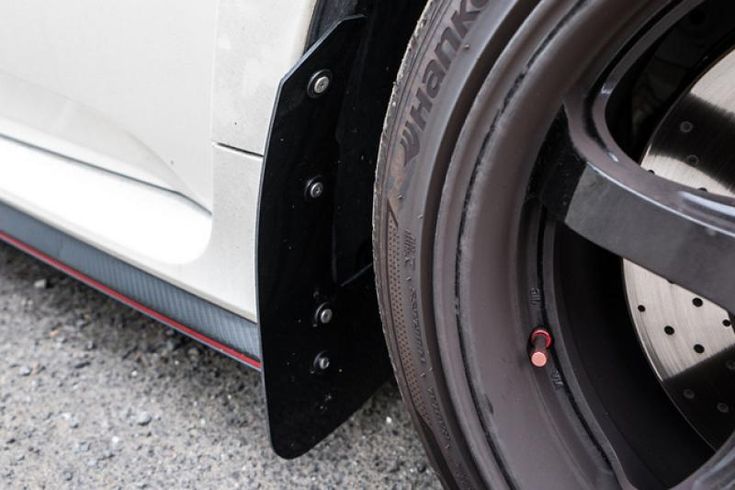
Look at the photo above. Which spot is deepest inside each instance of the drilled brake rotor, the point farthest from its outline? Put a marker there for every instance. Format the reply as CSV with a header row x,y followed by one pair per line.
x,y
689,341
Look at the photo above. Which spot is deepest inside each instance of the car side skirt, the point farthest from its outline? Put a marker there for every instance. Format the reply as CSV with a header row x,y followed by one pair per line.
x,y
195,317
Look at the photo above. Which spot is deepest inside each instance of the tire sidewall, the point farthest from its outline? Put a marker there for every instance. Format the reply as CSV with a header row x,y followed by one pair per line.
x,y
417,193
408,193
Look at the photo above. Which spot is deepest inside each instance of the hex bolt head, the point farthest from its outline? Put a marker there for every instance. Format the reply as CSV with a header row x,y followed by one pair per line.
x,y
315,189
319,83
322,362
324,314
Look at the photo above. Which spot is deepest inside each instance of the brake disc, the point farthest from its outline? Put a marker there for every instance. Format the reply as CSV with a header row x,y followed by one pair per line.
x,y
689,341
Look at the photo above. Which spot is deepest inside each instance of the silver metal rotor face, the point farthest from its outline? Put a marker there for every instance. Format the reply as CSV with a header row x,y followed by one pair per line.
x,y
689,341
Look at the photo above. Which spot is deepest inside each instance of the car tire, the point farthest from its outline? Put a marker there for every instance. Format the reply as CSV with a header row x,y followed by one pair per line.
x,y
475,69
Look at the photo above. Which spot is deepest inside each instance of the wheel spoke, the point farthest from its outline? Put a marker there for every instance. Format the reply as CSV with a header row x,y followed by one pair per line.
x,y
680,233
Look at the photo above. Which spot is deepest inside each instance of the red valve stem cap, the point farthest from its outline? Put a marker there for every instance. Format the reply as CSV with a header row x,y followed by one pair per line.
x,y
539,359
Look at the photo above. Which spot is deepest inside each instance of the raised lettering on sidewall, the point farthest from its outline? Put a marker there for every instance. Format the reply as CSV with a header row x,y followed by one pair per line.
x,y
444,53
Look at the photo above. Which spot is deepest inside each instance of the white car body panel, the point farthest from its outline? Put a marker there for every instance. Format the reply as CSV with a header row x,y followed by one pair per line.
x,y
252,58
139,128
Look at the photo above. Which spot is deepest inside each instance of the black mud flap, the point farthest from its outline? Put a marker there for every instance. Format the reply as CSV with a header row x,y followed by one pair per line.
x,y
322,344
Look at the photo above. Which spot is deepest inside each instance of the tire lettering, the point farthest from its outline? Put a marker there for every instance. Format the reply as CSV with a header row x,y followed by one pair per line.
x,y
434,74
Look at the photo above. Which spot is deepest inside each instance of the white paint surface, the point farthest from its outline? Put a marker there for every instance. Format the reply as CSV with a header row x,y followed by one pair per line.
x,y
114,114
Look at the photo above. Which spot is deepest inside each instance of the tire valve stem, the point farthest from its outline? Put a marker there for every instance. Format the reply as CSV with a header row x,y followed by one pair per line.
x,y
540,341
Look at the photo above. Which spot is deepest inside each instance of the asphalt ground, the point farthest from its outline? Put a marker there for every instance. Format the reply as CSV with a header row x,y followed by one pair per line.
x,y
95,395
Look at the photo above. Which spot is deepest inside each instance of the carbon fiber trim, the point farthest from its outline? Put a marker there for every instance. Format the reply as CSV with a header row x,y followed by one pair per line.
x,y
193,316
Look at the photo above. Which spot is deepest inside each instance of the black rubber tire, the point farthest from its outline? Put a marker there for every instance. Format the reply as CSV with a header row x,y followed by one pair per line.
x,y
445,71
403,191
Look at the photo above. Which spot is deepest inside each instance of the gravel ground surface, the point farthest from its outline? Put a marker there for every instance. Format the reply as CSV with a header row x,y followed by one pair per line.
x,y
94,395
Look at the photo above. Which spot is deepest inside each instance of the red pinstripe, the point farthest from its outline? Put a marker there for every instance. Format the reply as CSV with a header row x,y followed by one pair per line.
x,y
130,302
